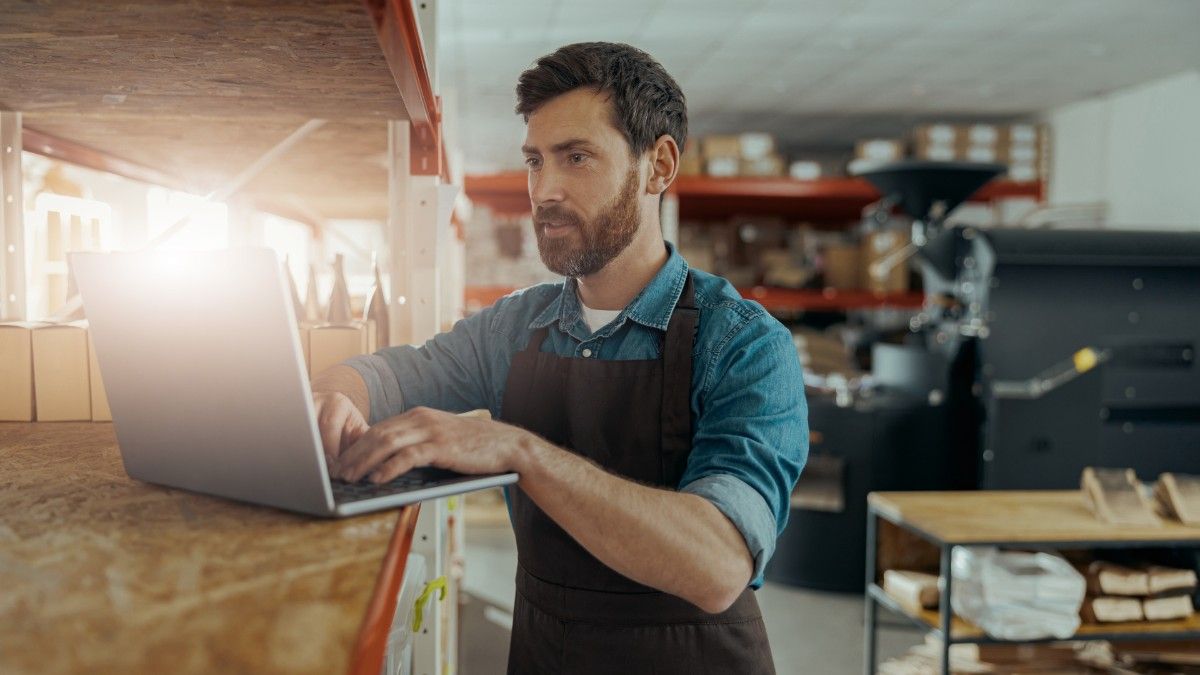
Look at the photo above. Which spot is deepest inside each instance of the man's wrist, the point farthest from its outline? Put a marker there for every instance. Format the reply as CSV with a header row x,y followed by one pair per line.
x,y
527,452
345,380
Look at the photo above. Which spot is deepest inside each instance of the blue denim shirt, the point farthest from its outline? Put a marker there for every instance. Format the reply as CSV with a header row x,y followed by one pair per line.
x,y
749,414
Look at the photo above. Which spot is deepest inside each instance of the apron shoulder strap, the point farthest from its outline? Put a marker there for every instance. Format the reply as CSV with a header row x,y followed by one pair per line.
x,y
535,341
676,417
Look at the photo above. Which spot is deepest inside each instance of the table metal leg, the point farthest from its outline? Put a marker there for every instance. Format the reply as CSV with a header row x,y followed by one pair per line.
x,y
872,607
946,611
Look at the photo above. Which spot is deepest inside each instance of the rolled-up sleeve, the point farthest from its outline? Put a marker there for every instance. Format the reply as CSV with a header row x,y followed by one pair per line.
x,y
751,440
449,372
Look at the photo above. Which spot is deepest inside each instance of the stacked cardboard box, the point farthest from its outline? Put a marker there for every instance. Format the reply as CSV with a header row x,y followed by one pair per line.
x,y
749,154
879,149
329,345
843,265
876,246
16,371
938,142
50,374
691,162
981,143
1025,152
1023,147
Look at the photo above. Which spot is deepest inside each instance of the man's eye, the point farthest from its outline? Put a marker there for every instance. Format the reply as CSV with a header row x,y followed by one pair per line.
x,y
576,157
532,162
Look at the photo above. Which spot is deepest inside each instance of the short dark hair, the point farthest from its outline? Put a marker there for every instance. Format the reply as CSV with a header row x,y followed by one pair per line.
x,y
647,102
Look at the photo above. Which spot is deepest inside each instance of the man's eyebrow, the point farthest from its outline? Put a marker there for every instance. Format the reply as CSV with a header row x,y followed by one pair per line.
x,y
569,144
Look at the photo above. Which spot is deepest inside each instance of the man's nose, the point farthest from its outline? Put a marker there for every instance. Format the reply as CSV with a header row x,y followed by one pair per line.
x,y
545,187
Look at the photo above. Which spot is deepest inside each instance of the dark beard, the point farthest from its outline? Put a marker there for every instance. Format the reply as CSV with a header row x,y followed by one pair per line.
x,y
602,239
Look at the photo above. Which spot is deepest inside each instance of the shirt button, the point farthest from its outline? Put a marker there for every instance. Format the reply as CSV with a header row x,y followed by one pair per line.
x,y
587,353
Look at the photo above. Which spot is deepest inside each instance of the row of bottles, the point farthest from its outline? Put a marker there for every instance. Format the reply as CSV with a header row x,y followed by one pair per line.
x,y
337,311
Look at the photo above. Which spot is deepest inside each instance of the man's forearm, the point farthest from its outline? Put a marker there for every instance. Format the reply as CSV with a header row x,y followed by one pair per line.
x,y
675,542
345,380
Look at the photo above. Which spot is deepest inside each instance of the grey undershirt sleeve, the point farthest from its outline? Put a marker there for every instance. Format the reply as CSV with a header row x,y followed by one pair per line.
x,y
382,387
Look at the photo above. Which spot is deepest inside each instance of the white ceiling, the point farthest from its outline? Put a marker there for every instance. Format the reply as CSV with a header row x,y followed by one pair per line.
x,y
818,73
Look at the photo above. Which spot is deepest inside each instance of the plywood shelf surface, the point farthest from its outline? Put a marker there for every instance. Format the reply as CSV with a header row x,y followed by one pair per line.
x,y
103,573
187,95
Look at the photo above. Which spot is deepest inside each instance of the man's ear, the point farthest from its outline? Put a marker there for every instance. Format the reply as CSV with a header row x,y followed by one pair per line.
x,y
664,164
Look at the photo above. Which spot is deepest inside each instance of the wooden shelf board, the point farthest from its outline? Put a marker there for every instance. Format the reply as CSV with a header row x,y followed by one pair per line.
x,y
1016,517
961,629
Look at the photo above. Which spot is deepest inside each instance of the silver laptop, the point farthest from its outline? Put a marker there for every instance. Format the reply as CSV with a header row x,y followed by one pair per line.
x,y
207,385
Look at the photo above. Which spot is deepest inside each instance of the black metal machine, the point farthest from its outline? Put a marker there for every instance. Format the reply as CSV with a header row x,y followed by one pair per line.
x,y
1037,353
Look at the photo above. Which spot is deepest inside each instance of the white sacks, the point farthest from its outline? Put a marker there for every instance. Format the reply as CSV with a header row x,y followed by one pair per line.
x,y
1016,596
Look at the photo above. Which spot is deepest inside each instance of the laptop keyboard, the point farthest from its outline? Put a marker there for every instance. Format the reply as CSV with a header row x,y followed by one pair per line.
x,y
416,479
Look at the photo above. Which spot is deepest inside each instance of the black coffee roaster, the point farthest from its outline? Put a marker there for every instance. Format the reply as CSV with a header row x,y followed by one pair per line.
x,y
1037,352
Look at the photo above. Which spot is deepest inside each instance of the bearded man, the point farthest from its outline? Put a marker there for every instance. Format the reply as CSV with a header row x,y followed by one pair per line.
x,y
656,419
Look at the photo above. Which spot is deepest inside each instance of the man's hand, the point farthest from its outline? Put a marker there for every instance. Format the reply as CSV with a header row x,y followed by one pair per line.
x,y
426,437
342,405
341,425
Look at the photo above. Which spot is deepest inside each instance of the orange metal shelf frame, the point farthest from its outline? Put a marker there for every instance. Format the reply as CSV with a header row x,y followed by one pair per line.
x,y
371,646
774,299
825,201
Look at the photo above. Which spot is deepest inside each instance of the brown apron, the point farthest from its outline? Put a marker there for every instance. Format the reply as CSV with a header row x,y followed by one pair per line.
x,y
573,614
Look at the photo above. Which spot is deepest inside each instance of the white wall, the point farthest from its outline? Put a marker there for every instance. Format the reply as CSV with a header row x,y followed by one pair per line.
x,y
1137,149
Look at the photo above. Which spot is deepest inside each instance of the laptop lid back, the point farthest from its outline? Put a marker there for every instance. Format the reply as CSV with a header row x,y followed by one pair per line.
x,y
204,373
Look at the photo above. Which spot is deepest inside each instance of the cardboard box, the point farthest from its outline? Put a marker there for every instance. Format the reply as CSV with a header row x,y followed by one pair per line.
x,y
61,387
717,145
772,165
1024,150
330,345
939,153
938,142
984,153
1023,134
16,371
691,162
303,330
804,169
722,167
372,341
843,267
875,247
100,409
879,149
1023,172
982,135
1022,154
756,145
937,134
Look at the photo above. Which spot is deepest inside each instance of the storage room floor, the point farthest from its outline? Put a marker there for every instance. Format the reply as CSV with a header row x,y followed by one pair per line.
x,y
810,631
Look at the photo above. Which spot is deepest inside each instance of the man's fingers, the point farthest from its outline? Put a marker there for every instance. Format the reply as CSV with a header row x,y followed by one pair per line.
x,y
403,461
375,447
331,431
354,430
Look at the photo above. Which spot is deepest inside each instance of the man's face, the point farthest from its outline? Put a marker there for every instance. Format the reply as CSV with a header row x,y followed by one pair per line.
x,y
584,185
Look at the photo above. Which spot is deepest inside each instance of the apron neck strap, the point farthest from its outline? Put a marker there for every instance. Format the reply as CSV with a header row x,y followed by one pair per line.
x,y
676,417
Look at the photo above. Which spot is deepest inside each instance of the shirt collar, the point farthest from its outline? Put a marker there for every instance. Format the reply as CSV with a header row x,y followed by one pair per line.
x,y
652,307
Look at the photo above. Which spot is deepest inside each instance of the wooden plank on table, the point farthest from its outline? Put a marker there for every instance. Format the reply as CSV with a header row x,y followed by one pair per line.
x,y
103,573
1015,516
